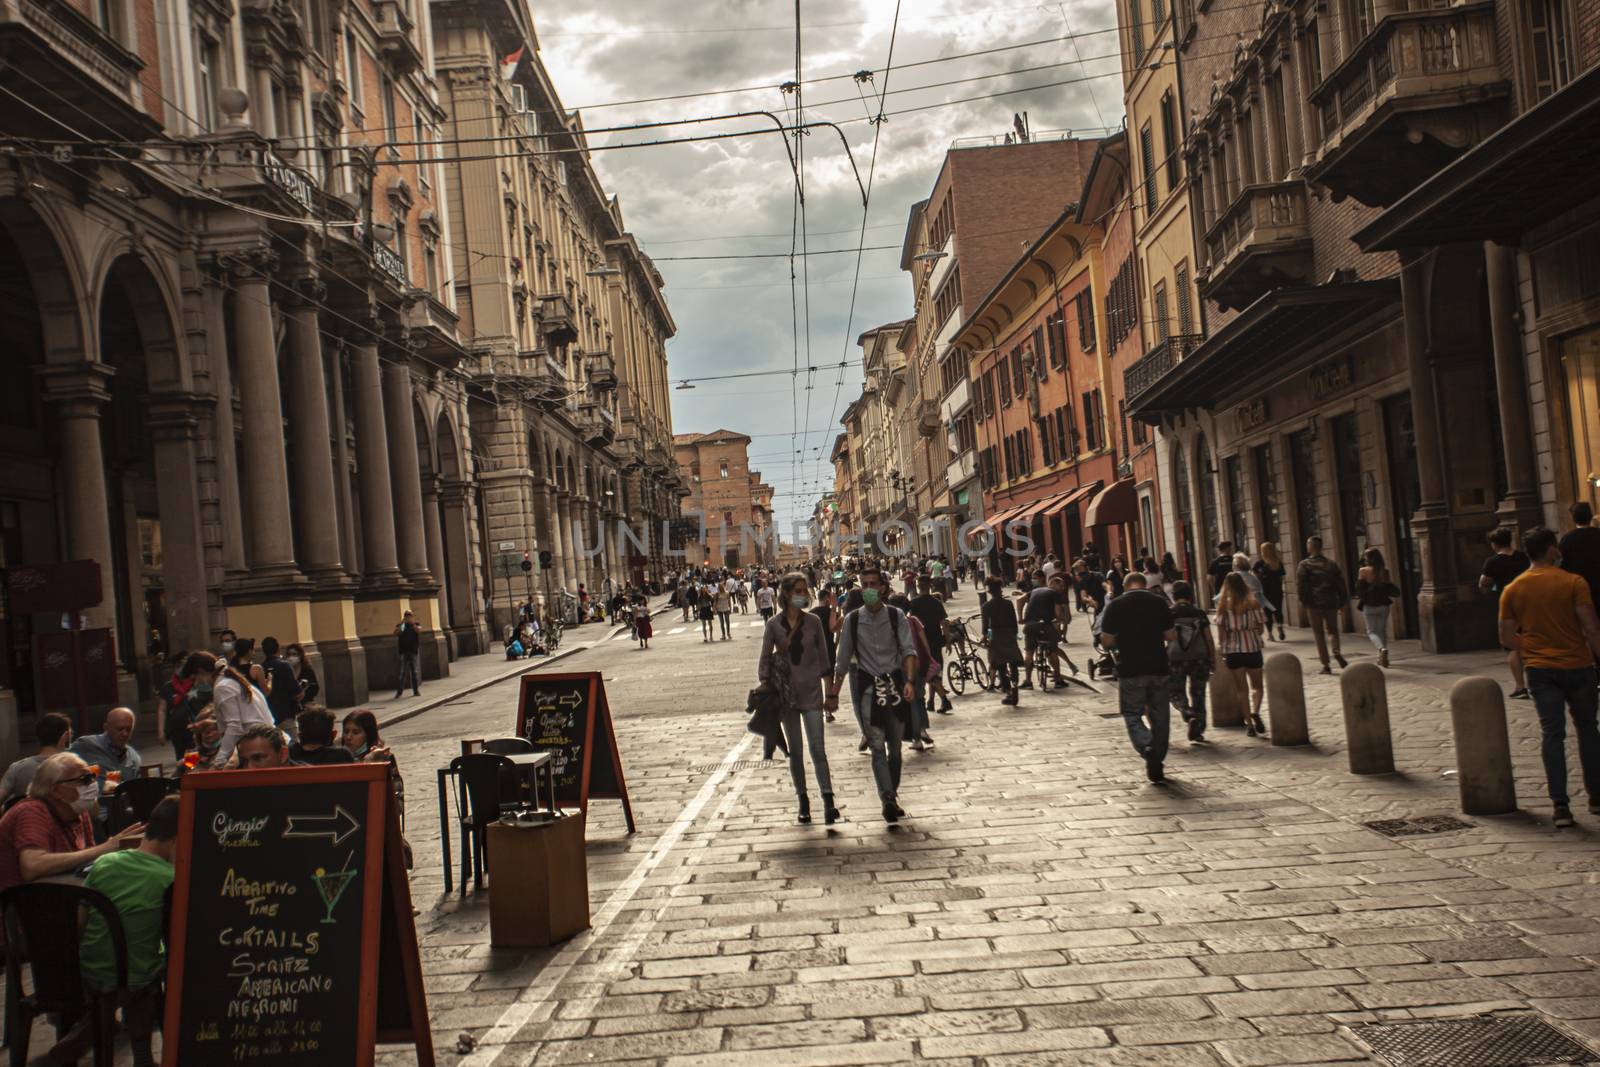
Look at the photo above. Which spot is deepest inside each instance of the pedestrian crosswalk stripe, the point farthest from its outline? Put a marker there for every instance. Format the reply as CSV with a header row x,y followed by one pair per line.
x,y
759,622
677,630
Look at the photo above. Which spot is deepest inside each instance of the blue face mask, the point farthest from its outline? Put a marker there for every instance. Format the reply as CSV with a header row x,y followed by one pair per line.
x,y
869,597
800,602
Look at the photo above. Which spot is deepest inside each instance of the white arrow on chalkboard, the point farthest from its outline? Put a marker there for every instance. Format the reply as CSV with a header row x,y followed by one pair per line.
x,y
571,700
344,824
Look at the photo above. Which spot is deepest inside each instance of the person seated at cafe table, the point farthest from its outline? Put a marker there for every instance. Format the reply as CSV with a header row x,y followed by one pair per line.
x,y
263,748
110,752
48,832
136,881
316,745
54,733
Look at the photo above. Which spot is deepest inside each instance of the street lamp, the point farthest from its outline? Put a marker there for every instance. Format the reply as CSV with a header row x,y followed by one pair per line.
x,y
603,272
928,257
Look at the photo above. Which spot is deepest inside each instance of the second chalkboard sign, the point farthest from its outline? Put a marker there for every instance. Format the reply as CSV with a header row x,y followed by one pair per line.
x,y
569,716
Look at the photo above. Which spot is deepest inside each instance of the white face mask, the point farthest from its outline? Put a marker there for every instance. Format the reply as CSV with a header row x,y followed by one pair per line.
x,y
88,797
294,661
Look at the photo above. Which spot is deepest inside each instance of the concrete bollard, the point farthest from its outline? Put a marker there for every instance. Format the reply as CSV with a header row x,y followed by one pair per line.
x,y
1227,709
1483,749
1365,694
1286,700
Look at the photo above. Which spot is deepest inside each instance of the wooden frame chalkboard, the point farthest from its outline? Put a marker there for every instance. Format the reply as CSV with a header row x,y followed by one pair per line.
x,y
292,938
568,714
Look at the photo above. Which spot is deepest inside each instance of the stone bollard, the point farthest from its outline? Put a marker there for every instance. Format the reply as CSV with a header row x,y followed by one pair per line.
x,y
1483,750
1227,709
1366,719
1286,700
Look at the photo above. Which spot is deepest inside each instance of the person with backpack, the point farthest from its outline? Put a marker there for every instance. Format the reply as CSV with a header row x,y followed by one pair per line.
x,y
876,651
1191,655
1000,628
1323,593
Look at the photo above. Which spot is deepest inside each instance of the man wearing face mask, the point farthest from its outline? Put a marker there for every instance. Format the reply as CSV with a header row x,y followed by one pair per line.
x,y
48,832
876,651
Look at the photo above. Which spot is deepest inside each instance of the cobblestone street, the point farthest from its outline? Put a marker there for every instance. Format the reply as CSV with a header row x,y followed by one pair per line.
x,y
1043,903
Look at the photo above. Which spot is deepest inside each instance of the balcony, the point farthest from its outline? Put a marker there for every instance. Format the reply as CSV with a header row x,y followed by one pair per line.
x,y
397,35
388,263
961,469
1261,242
88,72
602,371
547,376
1420,89
957,400
1150,368
254,175
556,320
599,426
929,422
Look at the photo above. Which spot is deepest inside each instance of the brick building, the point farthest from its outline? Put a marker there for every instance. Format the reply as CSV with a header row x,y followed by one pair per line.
x,y
729,500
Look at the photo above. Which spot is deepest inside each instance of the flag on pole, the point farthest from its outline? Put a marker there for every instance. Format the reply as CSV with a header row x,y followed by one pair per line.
x,y
508,65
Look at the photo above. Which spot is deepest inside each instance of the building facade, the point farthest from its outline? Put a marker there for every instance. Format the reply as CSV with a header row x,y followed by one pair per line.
x,y
1336,386
239,380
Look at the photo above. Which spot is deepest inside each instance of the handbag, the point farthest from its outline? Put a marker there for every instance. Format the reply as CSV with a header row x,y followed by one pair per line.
x,y
765,706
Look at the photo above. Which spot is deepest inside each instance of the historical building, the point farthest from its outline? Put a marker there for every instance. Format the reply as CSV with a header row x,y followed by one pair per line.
x,y
1335,387
728,503
238,378
1047,450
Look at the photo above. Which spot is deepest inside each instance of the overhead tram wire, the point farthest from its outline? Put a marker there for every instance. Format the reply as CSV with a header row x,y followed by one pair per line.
x,y
872,167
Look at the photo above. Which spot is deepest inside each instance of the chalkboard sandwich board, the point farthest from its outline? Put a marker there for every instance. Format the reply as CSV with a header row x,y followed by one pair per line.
x,y
568,714
292,934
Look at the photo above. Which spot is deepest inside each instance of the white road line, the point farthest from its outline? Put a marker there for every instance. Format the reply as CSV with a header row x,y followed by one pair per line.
x,y
759,622
534,1005
676,630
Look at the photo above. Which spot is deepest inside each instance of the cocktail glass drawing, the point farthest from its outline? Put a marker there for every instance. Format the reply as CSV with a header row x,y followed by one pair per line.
x,y
331,886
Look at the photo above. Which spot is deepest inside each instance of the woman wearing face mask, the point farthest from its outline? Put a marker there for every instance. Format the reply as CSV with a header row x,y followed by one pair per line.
x,y
361,738
794,659
180,702
305,677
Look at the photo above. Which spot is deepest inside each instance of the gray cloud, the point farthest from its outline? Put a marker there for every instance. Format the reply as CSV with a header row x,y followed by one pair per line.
x,y
735,315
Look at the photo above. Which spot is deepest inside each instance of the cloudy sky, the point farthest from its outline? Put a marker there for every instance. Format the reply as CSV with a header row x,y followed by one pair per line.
x,y
736,197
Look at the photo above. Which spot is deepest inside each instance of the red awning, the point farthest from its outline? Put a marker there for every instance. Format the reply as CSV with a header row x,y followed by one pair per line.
x,y
1116,505
1034,510
994,521
1076,496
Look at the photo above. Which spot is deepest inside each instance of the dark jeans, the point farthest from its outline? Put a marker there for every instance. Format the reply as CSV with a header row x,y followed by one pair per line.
x,y
1141,696
884,744
412,669
1186,688
1555,692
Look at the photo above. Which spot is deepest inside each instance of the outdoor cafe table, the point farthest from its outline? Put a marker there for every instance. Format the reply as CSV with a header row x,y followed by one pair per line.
x,y
528,763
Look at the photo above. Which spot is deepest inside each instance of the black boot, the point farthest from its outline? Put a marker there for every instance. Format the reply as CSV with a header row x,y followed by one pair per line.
x,y
830,811
805,808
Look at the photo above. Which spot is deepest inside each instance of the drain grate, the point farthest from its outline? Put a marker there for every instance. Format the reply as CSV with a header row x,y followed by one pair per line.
x,y
1499,1041
1422,824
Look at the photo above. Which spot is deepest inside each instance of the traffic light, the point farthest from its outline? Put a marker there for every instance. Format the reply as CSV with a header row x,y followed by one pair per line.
x,y
527,564
546,557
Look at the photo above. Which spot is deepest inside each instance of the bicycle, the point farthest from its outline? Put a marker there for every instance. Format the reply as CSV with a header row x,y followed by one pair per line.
x,y
962,662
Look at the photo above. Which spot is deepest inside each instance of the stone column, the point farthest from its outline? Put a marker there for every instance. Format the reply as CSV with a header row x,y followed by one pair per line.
x,y
264,476
433,532
1260,120
78,393
339,417
372,463
227,459
311,465
1294,103
1520,508
405,475
174,422
566,573
383,595
456,533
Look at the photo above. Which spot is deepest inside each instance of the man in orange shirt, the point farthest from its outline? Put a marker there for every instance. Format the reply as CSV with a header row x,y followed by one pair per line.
x,y
1548,615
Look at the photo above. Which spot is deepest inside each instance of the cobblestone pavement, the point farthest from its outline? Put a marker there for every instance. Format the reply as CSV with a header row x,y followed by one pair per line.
x,y
1043,903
